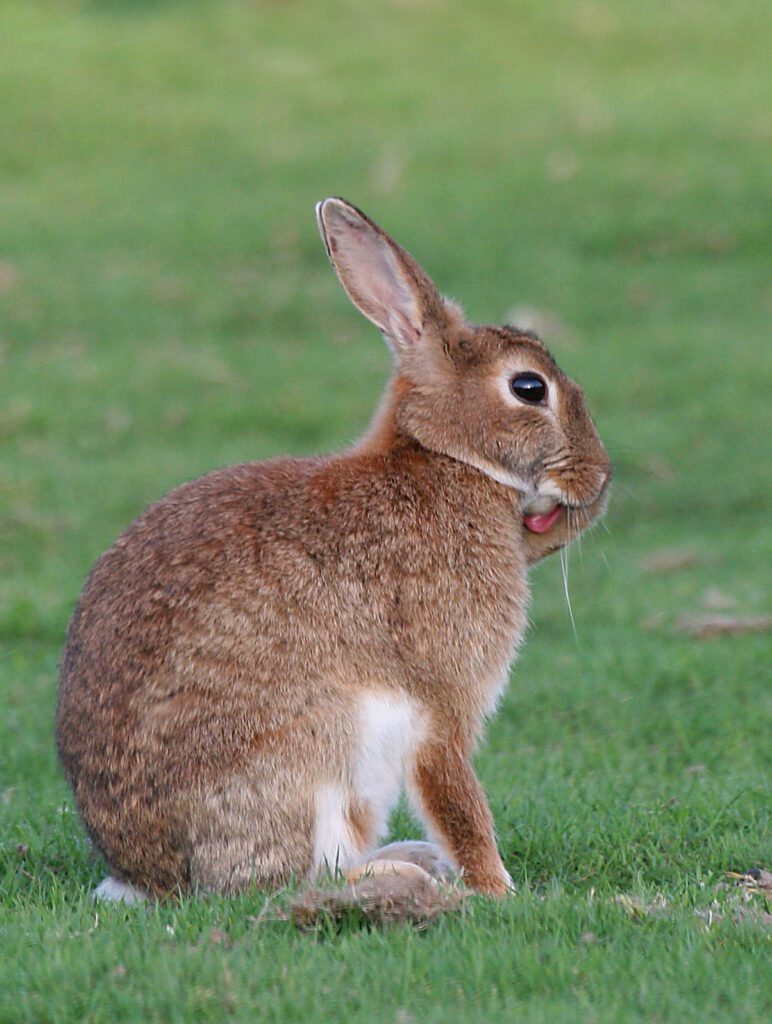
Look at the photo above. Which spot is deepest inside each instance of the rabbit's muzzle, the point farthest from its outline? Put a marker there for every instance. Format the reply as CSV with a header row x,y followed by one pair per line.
x,y
580,492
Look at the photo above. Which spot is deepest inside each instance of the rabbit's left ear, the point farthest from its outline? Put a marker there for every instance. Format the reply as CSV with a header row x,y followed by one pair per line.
x,y
382,280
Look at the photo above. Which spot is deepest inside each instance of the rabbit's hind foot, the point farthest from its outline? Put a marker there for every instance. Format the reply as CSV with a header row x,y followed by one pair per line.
x,y
410,859
434,861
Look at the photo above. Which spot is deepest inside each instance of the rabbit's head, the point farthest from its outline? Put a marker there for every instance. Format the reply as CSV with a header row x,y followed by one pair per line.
x,y
492,397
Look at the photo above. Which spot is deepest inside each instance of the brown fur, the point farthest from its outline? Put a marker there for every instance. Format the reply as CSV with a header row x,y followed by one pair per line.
x,y
215,657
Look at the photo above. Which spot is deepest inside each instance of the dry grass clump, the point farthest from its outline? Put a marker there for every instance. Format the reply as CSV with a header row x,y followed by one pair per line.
x,y
377,900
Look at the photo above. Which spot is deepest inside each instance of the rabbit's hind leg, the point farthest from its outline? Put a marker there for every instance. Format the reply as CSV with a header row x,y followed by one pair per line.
x,y
252,832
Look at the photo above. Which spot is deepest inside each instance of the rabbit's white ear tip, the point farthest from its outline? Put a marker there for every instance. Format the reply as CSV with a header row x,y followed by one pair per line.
x,y
323,224
319,207
324,210
328,204
333,207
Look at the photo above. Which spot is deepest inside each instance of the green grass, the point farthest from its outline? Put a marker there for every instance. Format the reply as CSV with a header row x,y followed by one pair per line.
x,y
166,307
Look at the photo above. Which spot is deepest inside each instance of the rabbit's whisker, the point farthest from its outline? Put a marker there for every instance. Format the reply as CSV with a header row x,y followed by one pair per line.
x,y
564,571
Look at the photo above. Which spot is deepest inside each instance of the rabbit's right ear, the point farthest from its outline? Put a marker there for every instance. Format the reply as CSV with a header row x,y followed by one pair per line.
x,y
382,280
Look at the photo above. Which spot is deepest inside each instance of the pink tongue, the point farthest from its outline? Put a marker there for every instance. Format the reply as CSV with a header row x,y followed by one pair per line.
x,y
540,524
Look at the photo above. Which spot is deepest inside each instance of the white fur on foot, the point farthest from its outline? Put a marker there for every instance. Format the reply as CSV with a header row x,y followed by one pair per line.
x,y
334,842
112,890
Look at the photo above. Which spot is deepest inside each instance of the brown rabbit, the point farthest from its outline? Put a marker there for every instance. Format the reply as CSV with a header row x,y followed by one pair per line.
x,y
270,653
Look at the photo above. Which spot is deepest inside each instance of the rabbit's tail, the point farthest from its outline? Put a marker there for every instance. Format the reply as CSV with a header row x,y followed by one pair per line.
x,y
379,893
113,890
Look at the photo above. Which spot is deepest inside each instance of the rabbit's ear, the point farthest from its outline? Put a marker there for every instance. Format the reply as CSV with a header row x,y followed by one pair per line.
x,y
382,280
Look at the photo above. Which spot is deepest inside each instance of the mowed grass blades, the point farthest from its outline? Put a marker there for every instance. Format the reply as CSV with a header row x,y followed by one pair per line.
x,y
166,307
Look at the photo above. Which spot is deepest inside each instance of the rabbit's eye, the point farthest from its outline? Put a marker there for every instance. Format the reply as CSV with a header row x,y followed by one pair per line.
x,y
529,387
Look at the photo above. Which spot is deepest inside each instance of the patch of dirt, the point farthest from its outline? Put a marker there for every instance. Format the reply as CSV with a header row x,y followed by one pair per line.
x,y
636,906
10,277
757,880
669,560
716,600
746,897
704,627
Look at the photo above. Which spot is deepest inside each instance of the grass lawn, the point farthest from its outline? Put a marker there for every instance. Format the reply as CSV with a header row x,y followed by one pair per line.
x,y
166,307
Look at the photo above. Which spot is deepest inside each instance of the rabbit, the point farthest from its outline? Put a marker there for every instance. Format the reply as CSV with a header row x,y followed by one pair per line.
x,y
270,654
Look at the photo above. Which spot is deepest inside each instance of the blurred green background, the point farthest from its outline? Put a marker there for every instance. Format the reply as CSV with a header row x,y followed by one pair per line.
x,y
597,169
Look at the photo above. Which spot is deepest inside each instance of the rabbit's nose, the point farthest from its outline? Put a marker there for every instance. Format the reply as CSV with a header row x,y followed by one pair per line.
x,y
604,478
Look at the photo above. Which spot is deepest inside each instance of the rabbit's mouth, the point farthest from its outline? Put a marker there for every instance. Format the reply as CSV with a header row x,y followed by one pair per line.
x,y
541,513
541,522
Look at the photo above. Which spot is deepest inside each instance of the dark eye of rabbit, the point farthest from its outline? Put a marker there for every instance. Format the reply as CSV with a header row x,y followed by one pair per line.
x,y
529,387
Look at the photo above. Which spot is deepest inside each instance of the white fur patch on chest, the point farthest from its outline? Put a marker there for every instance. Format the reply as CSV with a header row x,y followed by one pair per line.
x,y
495,693
392,726
499,682
389,727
